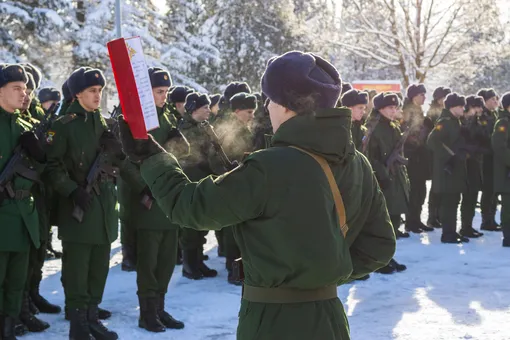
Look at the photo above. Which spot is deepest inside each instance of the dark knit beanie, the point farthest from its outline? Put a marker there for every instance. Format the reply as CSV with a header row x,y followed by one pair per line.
x,y
195,101
179,94
235,88
215,99
487,94
243,101
295,74
474,101
48,93
346,87
83,78
454,100
415,89
441,92
354,97
159,77
10,73
385,99
505,100
35,72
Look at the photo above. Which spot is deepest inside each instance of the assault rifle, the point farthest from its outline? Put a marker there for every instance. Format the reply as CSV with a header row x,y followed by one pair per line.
x,y
396,156
371,124
15,164
98,169
225,161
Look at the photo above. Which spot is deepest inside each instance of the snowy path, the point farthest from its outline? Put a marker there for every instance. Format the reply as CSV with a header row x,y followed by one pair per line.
x,y
448,292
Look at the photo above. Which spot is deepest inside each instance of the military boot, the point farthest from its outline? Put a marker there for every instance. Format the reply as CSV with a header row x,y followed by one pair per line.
x,y
79,328
489,224
506,242
165,317
398,266
149,319
206,271
43,305
33,324
33,307
97,329
453,238
19,327
434,223
103,314
128,259
7,324
470,232
414,227
191,265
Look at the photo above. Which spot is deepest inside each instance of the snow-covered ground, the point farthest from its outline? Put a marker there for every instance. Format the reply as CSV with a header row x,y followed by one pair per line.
x,y
448,292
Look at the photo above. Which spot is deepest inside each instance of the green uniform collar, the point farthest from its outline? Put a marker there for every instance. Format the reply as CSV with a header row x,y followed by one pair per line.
x,y
504,114
3,111
75,107
327,132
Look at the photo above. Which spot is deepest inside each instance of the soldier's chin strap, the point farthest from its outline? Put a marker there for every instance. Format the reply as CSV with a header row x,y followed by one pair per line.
x,y
339,203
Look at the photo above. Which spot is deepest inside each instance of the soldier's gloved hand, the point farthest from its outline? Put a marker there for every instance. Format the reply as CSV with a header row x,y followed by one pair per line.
x,y
111,144
81,198
137,150
32,145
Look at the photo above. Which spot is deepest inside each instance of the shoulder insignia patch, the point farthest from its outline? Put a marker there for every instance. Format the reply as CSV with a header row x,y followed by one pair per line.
x,y
439,127
502,128
49,136
483,122
220,178
68,118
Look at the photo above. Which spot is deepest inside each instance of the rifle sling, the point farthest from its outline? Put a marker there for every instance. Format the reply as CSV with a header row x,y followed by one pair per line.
x,y
339,203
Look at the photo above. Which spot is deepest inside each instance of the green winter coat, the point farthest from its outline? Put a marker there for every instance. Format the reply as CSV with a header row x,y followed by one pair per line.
x,y
131,183
488,120
501,148
73,145
415,148
473,135
285,221
395,186
19,221
358,131
447,134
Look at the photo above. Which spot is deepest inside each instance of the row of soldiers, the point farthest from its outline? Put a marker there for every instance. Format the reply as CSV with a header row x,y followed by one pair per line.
x,y
80,175
461,144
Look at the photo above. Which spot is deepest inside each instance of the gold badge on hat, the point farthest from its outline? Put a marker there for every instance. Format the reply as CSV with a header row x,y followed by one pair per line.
x,y
97,75
166,77
20,70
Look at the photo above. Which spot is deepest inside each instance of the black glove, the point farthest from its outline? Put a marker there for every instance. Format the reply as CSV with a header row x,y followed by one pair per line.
x,y
111,144
81,198
31,144
450,164
137,149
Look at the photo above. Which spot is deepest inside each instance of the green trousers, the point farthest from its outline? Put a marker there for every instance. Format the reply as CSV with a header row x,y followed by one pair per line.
x,y
13,275
417,194
448,212
434,204
128,233
229,243
395,221
157,255
35,266
505,215
84,272
468,207
192,239
320,320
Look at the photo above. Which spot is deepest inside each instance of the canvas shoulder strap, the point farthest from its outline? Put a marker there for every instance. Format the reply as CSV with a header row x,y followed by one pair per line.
x,y
339,203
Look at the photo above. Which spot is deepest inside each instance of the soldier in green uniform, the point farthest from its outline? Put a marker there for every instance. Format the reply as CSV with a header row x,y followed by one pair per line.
x,y
501,148
472,132
48,96
75,141
156,236
389,164
215,104
261,125
449,178
237,140
357,102
224,105
489,200
18,211
177,98
418,167
290,285
196,166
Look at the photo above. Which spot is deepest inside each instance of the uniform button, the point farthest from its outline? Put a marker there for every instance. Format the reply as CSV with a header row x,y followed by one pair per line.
x,y
81,164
